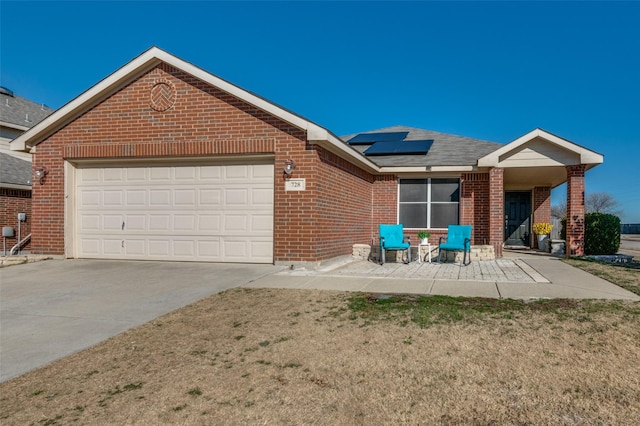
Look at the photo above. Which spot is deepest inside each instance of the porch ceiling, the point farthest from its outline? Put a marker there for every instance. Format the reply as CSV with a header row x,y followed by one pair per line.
x,y
530,177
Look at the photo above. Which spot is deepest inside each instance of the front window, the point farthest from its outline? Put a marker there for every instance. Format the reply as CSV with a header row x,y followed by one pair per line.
x,y
429,203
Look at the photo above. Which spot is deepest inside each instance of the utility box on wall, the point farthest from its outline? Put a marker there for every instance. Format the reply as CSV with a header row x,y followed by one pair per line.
x,y
8,232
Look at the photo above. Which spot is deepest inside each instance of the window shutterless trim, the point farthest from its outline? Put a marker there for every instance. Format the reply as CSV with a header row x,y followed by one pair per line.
x,y
429,203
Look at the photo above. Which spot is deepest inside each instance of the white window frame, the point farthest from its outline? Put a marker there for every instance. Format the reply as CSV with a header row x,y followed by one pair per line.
x,y
428,202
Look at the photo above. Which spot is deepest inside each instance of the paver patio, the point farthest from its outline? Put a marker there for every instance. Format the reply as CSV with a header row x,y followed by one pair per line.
x,y
499,270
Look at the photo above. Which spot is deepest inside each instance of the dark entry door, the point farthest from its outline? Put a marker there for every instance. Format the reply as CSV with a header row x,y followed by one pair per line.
x,y
517,213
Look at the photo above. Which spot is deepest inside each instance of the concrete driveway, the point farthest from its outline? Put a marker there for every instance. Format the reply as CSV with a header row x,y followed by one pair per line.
x,y
51,309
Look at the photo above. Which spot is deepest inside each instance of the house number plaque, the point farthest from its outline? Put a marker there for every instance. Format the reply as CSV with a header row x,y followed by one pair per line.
x,y
295,184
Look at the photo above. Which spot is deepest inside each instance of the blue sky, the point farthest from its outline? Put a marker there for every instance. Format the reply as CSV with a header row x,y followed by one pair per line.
x,y
487,70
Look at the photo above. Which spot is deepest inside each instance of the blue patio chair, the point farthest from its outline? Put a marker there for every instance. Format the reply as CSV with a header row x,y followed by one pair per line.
x,y
458,239
392,238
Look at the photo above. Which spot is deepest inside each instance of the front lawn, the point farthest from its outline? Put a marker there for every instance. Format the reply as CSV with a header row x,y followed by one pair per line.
x,y
266,356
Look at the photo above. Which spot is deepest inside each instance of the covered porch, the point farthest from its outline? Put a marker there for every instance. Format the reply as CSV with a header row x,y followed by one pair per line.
x,y
521,177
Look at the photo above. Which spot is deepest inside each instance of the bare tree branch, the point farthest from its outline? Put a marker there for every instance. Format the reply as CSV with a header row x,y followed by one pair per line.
x,y
597,202
559,210
602,202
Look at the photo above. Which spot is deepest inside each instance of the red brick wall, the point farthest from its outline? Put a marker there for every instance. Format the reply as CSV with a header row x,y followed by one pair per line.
x,y
343,206
496,209
205,121
541,205
474,205
575,210
12,202
332,214
384,207
385,199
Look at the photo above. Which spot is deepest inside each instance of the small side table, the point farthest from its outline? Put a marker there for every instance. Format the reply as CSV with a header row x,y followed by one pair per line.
x,y
428,246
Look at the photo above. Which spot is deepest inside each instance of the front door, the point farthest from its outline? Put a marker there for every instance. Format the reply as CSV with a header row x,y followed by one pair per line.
x,y
517,214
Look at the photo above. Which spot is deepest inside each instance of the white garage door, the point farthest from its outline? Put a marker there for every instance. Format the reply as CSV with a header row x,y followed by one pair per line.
x,y
213,213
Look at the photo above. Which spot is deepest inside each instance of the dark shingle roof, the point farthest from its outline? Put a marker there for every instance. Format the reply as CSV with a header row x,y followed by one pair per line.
x,y
447,150
14,171
20,111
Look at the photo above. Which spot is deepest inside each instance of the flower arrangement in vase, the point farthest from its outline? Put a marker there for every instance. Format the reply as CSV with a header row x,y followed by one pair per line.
x,y
424,237
542,228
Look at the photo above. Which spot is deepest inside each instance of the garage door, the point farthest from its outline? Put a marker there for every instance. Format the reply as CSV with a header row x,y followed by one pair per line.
x,y
213,213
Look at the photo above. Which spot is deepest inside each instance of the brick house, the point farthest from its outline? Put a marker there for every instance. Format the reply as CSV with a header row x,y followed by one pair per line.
x,y
17,115
162,160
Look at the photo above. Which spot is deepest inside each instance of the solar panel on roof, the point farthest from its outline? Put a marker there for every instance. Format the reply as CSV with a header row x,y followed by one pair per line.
x,y
399,147
368,138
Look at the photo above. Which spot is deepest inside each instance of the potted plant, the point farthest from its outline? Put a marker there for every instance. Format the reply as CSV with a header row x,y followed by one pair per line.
x,y
424,237
542,230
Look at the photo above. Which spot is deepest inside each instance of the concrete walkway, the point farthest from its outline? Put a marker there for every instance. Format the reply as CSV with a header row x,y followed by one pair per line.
x,y
516,276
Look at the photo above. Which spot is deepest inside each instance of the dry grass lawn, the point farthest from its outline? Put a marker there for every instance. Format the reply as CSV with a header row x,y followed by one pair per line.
x,y
316,357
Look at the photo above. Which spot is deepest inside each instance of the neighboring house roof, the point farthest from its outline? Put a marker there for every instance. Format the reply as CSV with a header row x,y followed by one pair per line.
x,y
447,150
14,173
20,113
17,115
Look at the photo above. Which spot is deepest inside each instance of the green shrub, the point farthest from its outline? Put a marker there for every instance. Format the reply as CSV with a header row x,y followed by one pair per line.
x,y
601,233
563,231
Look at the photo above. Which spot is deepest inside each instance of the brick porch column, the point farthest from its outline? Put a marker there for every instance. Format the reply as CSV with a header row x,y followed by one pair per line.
x,y
496,209
575,210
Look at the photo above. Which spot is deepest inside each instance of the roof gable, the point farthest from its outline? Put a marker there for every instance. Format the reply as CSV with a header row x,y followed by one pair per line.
x,y
152,58
540,148
129,72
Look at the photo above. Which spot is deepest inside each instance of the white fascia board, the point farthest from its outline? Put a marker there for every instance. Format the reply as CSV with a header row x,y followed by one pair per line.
x,y
453,168
586,156
18,145
413,169
590,157
428,169
13,126
15,186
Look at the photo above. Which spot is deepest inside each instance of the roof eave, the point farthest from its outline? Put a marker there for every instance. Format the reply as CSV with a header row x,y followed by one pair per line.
x,y
15,186
321,136
13,126
428,169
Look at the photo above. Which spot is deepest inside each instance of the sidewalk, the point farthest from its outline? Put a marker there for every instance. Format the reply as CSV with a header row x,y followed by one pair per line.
x,y
518,275
515,276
